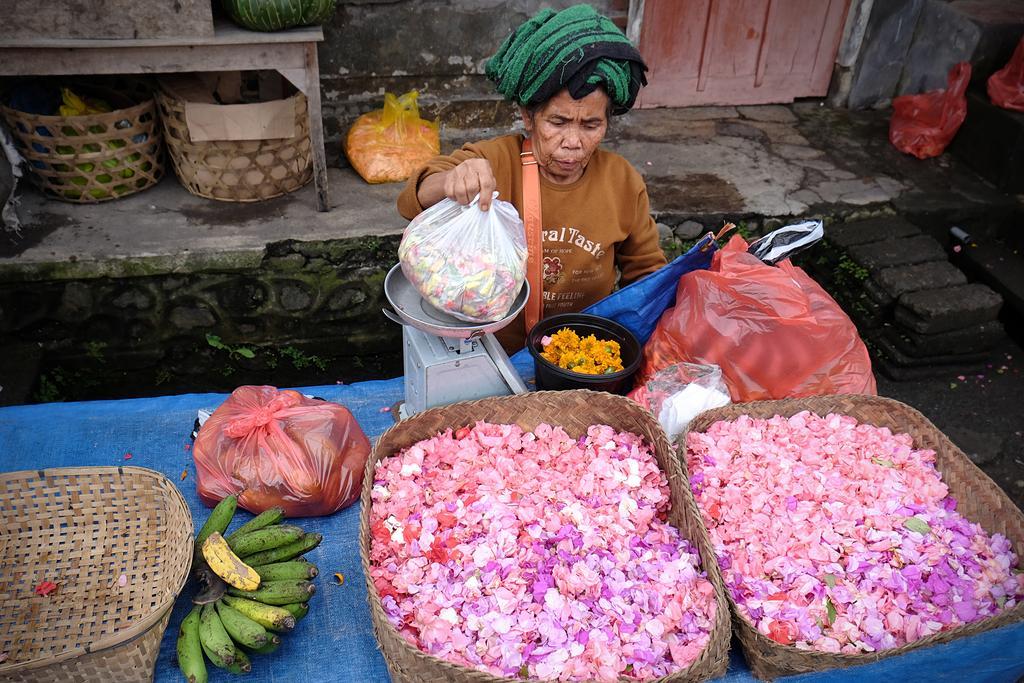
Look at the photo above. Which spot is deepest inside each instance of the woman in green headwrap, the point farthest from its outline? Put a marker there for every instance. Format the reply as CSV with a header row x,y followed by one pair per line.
x,y
568,71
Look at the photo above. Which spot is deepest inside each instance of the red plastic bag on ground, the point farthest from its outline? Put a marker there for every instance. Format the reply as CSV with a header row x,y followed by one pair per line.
x,y
773,331
273,447
924,124
1006,86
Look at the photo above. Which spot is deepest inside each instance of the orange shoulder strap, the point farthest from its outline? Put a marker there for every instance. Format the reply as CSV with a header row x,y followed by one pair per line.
x,y
534,244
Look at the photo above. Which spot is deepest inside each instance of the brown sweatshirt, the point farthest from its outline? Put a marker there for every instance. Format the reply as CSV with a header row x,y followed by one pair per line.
x,y
590,227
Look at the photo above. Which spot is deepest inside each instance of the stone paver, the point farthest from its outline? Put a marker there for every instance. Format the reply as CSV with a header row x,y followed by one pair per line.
x,y
899,252
896,355
689,230
870,230
971,339
950,308
934,275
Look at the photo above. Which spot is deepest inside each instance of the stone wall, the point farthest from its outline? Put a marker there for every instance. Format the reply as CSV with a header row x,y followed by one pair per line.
x,y
438,47
909,46
310,313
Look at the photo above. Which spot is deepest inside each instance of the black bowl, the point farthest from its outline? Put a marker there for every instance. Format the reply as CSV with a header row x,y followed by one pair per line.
x,y
550,376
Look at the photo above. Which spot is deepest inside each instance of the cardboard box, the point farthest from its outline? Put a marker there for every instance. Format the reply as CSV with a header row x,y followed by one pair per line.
x,y
215,109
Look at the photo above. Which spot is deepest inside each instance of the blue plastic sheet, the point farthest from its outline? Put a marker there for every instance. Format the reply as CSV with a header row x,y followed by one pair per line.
x,y
638,306
335,641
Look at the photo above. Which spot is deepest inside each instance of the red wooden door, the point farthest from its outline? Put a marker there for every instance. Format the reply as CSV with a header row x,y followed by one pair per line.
x,y
738,51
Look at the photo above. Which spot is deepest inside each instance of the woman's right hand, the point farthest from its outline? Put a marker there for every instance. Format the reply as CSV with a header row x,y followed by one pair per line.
x,y
460,184
471,177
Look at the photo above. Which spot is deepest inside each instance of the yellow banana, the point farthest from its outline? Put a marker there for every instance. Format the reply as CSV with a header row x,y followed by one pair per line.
x,y
227,565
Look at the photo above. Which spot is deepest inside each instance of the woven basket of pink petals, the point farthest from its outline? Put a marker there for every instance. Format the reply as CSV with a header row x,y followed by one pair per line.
x,y
543,536
849,529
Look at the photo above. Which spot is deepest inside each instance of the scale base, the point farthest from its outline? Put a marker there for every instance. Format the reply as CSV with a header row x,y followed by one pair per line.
x,y
443,370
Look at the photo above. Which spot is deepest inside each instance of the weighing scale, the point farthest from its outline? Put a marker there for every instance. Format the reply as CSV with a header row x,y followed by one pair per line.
x,y
446,359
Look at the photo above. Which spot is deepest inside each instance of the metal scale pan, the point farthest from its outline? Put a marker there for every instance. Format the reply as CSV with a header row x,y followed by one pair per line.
x,y
413,310
446,359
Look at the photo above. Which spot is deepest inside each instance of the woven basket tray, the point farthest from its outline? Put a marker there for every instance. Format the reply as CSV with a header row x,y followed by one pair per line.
x,y
574,411
83,528
979,499
95,157
238,170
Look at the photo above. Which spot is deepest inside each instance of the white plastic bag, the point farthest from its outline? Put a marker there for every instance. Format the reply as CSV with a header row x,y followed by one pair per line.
x,y
680,392
466,262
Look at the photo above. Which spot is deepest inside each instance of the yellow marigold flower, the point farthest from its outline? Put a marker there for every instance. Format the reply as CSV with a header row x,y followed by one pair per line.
x,y
588,356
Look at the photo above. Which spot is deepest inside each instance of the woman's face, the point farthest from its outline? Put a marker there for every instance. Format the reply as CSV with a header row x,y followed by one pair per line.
x,y
566,132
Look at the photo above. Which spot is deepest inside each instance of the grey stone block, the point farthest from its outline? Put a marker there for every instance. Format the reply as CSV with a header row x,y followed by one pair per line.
x,y
866,314
896,356
886,43
878,295
846,235
900,252
930,57
950,308
904,373
896,282
973,339
999,23
690,230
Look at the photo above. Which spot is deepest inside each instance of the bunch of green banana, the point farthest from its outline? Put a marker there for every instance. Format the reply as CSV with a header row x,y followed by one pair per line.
x,y
269,585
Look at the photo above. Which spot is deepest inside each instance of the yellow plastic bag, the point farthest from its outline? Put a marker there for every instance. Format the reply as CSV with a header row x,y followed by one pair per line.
x,y
387,145
79,106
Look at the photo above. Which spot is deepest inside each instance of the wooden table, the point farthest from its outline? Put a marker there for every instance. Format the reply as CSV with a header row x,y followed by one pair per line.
x,y
292,53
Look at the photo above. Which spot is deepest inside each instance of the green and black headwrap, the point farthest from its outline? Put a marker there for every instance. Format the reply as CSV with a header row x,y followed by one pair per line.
x,y
577,49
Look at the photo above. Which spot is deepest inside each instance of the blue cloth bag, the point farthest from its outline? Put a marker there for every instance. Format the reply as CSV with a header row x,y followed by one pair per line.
x,y
639,306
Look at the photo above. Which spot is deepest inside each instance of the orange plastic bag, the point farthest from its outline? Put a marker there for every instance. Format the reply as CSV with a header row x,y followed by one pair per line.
x,y
387,145
273,447
773,331
924,124
1006,86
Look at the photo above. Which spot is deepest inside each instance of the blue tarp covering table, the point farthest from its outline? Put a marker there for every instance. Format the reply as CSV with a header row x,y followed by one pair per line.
x,y
335,641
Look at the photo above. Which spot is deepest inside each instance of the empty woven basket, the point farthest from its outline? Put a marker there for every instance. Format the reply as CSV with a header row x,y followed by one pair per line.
x,y
83,529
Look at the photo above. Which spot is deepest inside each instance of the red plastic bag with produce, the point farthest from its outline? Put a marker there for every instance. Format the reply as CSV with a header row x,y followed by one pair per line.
x,y
277,447
773,331
924,124
1006,86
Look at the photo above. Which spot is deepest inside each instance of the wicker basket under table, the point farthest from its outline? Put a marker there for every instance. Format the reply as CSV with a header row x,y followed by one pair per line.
x,y
94,157
979,499
83,528
574,411
237,170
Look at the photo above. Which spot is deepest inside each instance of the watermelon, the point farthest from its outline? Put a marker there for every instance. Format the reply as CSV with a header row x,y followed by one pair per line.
x,y
275,15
